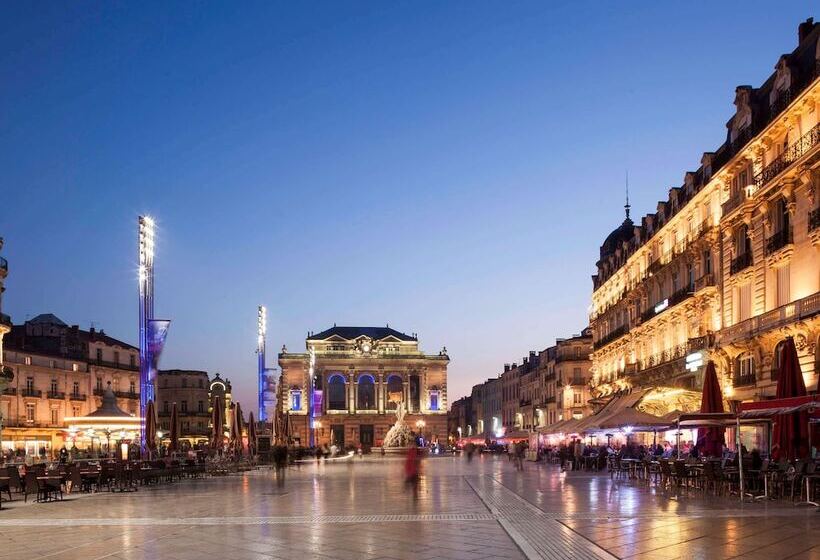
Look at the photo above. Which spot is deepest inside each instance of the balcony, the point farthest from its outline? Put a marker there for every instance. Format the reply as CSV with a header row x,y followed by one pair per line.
x,y
31,393
11,391
669,355
611,337
744,380
705,281
127,394
57,395
676,298
700,342
789,156
115,365
734,201
776,318
741,262
778,241
524,402
814,219
76,397
549,400
98,391
654,267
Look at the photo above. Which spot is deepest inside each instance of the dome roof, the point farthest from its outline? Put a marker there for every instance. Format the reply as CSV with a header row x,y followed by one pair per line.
x,y
109,407
625,232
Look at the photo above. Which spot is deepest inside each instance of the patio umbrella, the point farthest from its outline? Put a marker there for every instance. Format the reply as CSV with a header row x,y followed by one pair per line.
x,y
635,419
173,442
251,435
237,429
713,440
791,431
216,425
150,428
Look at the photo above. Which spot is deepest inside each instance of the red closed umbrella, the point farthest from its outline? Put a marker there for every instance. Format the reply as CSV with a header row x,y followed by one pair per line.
x,y
217,423
237,426
790,438
173,444
150,422
713,440
251,435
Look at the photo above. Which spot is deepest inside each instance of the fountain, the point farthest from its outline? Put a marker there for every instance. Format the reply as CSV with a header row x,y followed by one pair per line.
x,y
399,435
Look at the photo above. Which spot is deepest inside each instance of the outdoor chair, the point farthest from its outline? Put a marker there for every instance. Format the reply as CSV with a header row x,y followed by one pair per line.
x,y
683,476
5,484
15,483
33,486
74,481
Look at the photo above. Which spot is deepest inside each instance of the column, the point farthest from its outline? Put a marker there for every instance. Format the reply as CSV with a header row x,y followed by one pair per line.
x,y
351,406
380,393
406,392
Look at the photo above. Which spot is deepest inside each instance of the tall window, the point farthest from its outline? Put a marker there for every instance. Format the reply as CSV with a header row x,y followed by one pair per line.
x,y
75,389
30,411
75,410
777,359
782,276
183,406
434,401
336,393
781,218
743,245
99,384
165,407
295,399
690,277
99,354
745,370
116,357
394,386
366,393
55,416
707,262
132,360
53,386
200,406
29,384
132,388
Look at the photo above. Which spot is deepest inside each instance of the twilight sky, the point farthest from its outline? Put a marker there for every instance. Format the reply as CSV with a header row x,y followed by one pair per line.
x,y
447,168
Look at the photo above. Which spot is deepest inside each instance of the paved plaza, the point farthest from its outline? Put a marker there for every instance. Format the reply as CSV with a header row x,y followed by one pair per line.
x,y
362,510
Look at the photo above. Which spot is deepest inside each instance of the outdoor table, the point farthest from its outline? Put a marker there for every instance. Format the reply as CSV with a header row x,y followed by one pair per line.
x,y
632,465
809,502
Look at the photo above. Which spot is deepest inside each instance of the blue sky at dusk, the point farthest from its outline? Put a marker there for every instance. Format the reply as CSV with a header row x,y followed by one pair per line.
x,y
447,168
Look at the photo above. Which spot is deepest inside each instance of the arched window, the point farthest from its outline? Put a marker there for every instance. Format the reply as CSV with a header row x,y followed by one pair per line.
x,y
745,371
394,385
366,393
777,359
336,393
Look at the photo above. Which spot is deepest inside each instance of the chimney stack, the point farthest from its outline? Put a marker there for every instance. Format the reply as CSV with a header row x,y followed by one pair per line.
x,y
804,29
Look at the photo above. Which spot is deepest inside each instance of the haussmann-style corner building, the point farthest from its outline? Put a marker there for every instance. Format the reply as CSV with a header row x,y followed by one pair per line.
x,y
727,267
344,389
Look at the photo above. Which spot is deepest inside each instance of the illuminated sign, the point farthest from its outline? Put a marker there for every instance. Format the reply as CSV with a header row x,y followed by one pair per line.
x,y
661,306
694,361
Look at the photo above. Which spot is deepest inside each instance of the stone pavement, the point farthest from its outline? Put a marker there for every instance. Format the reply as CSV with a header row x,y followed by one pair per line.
x,y
362,510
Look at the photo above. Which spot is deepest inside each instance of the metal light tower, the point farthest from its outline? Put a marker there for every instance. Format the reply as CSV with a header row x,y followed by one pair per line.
x,y
146,314
261,329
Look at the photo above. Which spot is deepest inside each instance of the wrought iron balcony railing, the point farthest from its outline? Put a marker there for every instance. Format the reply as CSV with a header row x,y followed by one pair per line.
x,y
705,281
614,335
744,380
59,395
778,241
789,156
741,262
76,397
31,393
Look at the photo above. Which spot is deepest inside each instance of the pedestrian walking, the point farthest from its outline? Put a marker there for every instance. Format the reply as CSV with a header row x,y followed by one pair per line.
x,y
280,462
412,470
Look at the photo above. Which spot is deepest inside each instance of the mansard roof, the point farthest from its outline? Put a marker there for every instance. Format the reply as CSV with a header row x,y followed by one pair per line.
x,y
352,333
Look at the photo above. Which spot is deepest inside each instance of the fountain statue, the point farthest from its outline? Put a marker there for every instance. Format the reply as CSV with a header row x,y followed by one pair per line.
x,y
399,434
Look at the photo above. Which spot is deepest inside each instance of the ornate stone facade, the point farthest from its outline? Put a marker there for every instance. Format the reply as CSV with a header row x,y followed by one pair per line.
x,y
728,266
348,383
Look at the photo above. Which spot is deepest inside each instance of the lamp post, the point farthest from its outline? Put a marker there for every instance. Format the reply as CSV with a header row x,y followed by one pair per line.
x,y
146,313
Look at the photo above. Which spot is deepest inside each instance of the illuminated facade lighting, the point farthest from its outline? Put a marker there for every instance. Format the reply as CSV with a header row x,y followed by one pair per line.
x,y
146,231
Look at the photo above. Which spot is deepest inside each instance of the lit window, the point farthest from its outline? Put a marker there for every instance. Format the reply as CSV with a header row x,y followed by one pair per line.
x,y
295,399
433,400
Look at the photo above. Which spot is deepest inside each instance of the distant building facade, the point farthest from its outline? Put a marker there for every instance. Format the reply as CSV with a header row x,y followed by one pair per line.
x,y
359,376
190,390
61,371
